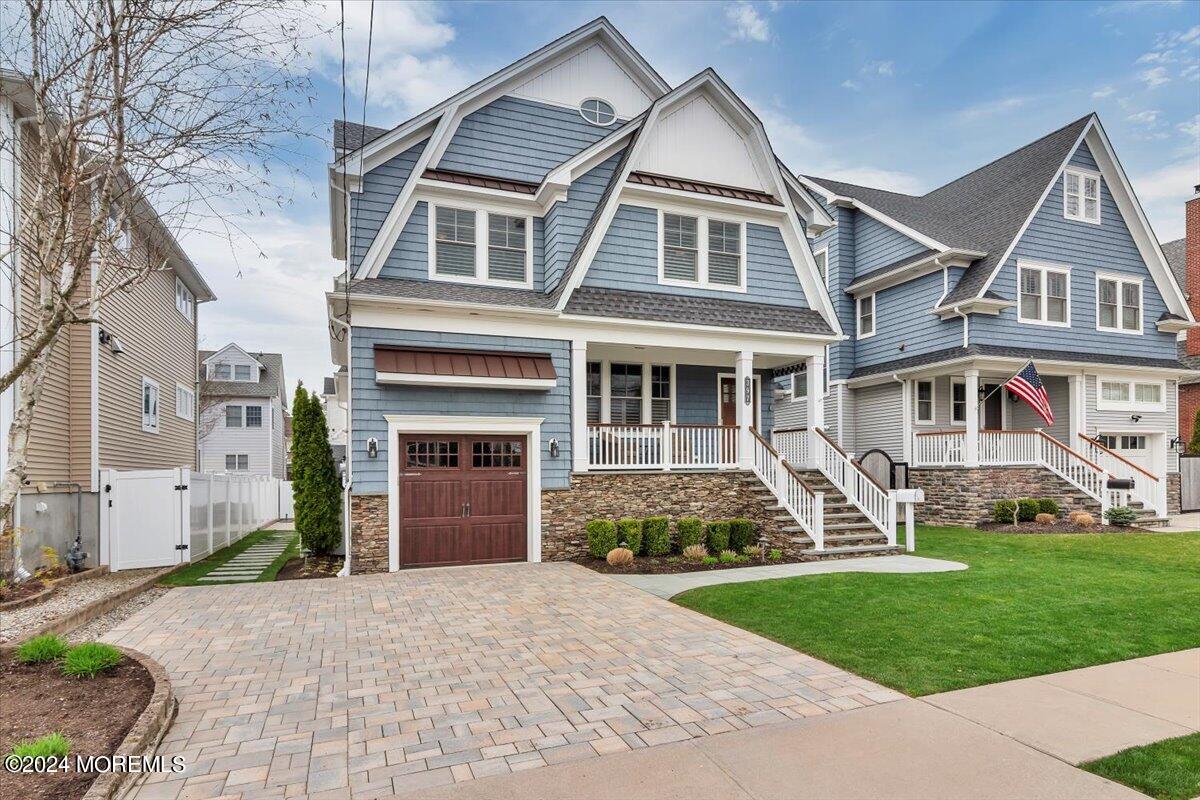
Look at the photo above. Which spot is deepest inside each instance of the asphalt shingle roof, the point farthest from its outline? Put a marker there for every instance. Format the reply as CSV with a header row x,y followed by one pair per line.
x,y
451,292
270,383
983,210
351,135
1176,253
598,302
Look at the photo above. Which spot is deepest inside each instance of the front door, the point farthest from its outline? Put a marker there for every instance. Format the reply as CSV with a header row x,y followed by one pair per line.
x,y
993,407
728,396
462,500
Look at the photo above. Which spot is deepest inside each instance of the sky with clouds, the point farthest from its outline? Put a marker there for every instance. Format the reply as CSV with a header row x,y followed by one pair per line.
x,y
904,96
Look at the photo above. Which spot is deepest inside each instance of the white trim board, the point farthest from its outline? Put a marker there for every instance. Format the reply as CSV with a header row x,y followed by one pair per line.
x,y
467,425
464,381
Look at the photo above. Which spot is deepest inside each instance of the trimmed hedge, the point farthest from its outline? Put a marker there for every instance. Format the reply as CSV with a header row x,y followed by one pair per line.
x,y
718,536
1027,509
1047,505
689,531
1004,512
629,532
656,536
741,534
601,537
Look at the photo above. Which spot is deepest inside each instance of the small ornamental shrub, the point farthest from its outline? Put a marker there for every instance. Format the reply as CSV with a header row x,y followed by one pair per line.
x,y
775,555
1004,512
89,659
1082,518
727,557
1027,509
656,536
689,531
752,551
601,537
718,536
1123,516
709,560
1048,505
629,534
1045,519
40,649
741,534
695,552
619,557
52,745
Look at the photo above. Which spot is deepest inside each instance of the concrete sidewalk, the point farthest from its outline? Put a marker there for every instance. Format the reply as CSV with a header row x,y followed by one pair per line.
x,y
1088,713
668,586
1178,523
907,749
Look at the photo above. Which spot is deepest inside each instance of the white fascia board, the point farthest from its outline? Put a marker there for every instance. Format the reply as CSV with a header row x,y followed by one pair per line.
x,y
932,263
1053,366
587,159
465,381
233,346
821,218
694,202
851,202
1175,325
978,305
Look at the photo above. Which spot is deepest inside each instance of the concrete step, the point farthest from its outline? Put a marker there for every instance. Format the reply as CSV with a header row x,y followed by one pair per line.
x,y
864,524
854,537
865,548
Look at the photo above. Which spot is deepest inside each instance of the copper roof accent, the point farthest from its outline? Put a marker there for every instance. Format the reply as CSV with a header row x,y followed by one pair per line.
x,y
464,363
715,189
482,181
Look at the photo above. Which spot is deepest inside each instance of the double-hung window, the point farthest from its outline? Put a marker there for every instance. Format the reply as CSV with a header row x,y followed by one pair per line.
x,y
150,396
724,253
866,316
220,372
1081,196
681,248
238,462
1118,304
800,382
243,372
185,301
924,402
636,393
185,402
625,403
1045,294
254,416
660,393
233,416
699,251
508,248
480,246
595,391
454,242
958,401
822,258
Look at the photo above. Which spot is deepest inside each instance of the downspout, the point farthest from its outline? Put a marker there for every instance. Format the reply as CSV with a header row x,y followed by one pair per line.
x,y
966,325
346,516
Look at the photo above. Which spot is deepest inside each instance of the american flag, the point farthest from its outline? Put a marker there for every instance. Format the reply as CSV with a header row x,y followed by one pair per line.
x,y
1027,385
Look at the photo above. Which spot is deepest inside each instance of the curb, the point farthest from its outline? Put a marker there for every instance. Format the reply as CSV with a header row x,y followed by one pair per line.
x,y
144,737
45,594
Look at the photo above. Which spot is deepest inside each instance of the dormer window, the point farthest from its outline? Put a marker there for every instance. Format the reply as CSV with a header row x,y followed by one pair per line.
x,y
485,247
597,111
507,245
242,372
703,252
1081,196
455,249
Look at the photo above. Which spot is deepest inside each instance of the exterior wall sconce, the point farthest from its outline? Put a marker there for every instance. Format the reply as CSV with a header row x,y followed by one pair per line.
x,y
553,448
1135,418
111,342
372,447
1177,444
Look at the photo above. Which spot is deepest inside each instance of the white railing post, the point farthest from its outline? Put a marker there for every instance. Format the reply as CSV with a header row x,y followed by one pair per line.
x,y
891,517
744,406
668,447
818,523
910,527
580,433
971,438
208,509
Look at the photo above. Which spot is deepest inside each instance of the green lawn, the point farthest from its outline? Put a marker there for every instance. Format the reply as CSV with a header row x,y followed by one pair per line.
x,y
1166,770
1028,605
190,575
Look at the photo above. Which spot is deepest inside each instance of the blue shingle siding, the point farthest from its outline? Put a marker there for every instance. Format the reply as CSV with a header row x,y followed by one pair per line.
x,y
903,317
696,395
380,188
518,139
628,259
876,245
1085,248
841,244
372,400
566,220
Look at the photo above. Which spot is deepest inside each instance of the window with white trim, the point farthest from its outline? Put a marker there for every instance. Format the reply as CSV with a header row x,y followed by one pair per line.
x,y
866,316
924,402
1126,394
660,393
480,246
243,372
700,251
508,248
254,416
150,395
597,111
822,258
800,383
595,389
237,462
1123,442
220,371
117,229
233,416
1118,304
1045,295
454,242
185,402
185,301
958,401
625,394
1081,196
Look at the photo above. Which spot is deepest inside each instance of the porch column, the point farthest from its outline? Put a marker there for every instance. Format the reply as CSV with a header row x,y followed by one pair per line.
x,y
906,426
744,405
816,403
1075,408
971,443
579,432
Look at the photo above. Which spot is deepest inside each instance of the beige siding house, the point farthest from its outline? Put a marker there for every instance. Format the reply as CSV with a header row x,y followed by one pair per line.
x,y
120,392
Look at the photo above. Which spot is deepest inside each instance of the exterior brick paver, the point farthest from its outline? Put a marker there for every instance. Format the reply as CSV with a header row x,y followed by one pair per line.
x,y
365,686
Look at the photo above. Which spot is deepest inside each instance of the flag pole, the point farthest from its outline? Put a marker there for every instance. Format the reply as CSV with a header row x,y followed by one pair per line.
x,y
1003,383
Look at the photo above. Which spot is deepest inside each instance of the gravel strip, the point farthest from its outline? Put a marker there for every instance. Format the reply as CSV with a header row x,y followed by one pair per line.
x,y
69,599
101,625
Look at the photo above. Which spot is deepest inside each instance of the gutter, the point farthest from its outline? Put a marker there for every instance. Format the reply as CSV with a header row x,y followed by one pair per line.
x,y
966,325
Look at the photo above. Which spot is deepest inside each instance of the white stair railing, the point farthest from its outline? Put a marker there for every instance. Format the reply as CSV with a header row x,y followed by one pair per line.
x,y
1148,489
792,446
859,487
797,497
1085,475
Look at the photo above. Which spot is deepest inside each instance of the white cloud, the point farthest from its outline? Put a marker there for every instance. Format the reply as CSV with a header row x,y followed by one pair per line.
x,y
1190,129
852,85
1102,92
1163,193
1190,73
1156,57
884,69
1126,7
1148,117
1154,78
748,24
991,108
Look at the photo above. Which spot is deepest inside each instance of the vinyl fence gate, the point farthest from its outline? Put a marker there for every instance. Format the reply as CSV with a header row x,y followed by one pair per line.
x,y
1189,482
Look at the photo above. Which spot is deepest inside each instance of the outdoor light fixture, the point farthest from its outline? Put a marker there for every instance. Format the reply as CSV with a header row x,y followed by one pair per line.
x,y
111,342
1176,444
553,448
1136,417
372,447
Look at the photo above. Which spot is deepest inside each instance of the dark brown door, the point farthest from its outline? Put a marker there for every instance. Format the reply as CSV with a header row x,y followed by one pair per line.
x,y
462,500
728,392
993,408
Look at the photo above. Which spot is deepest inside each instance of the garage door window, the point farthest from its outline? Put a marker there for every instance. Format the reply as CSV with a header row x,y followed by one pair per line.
x,y
495,454
432,454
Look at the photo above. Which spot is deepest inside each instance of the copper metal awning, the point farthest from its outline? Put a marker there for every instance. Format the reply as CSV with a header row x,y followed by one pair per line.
x,y
479,368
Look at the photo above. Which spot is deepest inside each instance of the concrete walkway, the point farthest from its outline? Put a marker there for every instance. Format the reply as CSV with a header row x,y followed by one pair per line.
x,y
903,750
670,585
1180,523
1088,713
247,566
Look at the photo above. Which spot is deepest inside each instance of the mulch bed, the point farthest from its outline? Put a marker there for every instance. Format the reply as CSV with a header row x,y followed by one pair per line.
x,y
94,714
19,591
317,567
666,565
1062,526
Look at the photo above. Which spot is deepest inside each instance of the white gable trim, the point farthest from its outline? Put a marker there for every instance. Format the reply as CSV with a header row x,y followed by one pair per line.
x,y
1131,211
851,202
233,346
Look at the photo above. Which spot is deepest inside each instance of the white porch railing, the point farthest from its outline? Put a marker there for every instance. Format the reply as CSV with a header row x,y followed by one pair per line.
x,y
1065,462
662,446
873,500
797,497
1148,488
792,445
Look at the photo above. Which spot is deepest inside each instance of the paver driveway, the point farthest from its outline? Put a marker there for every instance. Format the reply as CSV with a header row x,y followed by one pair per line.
x,y
363,686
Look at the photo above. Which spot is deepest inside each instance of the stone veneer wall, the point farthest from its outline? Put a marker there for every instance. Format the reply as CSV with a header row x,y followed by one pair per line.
x,y
1174,493
608,495
368,533
958,496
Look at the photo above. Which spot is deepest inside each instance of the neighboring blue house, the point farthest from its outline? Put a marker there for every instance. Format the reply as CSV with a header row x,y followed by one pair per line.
x,y
1043,255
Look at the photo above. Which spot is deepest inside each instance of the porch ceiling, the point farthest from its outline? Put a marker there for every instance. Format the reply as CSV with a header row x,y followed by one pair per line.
x,y
598,351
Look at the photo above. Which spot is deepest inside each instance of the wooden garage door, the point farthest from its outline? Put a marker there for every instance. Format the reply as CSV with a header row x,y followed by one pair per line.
x,y
462,500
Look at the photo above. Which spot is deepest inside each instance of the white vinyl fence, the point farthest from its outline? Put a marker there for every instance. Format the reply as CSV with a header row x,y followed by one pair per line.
x,y
155,518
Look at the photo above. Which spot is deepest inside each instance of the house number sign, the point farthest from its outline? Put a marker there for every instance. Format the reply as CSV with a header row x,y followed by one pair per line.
x,y
748,392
